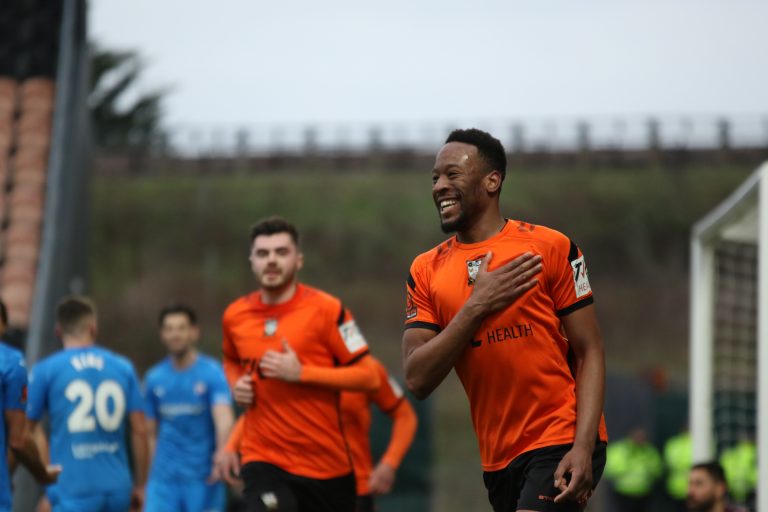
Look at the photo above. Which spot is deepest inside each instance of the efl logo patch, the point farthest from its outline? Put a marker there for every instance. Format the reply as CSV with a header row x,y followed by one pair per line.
x,y
352,336
473,266
410,307
580,277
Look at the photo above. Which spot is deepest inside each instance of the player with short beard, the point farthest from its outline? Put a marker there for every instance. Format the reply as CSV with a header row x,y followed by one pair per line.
x,y
508,305
189,416
708,490
289,349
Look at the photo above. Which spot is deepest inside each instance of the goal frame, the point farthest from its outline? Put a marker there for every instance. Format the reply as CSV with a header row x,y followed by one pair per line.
x,y
743,216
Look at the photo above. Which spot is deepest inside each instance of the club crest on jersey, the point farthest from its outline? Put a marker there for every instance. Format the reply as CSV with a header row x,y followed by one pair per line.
x,y
473,266
200,388
270,327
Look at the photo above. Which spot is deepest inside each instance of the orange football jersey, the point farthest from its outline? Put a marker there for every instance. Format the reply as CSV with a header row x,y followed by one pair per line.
x,y
356,418
292,425
515,369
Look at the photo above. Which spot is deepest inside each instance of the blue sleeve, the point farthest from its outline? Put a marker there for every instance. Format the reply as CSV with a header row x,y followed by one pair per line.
x,y
135,400
219,393
36,396
15,388
150,400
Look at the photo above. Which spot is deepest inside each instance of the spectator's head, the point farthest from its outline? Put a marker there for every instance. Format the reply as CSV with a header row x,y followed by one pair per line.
x,y
639,435
76,318
275,254
707,487
178,329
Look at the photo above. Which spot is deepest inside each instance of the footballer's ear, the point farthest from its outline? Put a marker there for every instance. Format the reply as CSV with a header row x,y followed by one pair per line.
x,y
492,182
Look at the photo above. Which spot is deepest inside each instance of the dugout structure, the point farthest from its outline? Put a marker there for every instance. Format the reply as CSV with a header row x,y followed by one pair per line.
x,y
729,326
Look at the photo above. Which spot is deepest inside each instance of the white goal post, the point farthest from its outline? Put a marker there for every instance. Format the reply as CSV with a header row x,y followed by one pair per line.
x,y
740,220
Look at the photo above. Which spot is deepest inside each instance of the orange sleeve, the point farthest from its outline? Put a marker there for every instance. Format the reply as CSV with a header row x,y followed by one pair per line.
x,y
404,424
419,310
568,276
231,360
361,375
345,340
236,436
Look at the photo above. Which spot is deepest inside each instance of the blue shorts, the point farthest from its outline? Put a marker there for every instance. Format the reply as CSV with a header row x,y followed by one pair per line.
x,y
100,502
185,497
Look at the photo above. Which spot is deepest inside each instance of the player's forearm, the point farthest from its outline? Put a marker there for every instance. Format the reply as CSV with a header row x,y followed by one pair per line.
x,y
151,426
236,436
30,457
590,394
222,421
357,377
151,447
139,448
41,441
140,459
233,370
404,424
427,365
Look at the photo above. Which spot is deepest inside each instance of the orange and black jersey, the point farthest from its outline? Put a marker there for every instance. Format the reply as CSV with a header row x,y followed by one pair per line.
x,y
356,418
293,425
515,369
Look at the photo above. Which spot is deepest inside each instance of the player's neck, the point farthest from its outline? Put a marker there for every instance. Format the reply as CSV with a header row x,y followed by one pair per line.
x,y
273,297
485,227
184,360
77,341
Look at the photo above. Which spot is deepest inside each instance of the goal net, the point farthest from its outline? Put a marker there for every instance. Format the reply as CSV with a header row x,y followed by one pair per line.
x,y
729,326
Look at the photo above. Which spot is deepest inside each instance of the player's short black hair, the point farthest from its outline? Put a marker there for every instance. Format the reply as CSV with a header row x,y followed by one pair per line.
x,y
177,309
713,468
3,313
272,226
72,311
488,147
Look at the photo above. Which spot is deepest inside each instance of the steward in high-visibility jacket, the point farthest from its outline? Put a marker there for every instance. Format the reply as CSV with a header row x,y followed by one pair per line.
x,y
633,465
740,465
678,452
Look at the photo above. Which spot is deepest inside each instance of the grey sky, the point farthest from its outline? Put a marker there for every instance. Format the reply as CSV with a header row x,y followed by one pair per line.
x,y
248,62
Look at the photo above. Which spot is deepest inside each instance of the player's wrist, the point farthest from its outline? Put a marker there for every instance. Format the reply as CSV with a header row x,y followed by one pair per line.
x,y
389,462
586,445
475,310
296,377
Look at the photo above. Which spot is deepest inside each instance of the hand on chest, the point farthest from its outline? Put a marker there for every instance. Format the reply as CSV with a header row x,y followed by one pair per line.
x,y
303,332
